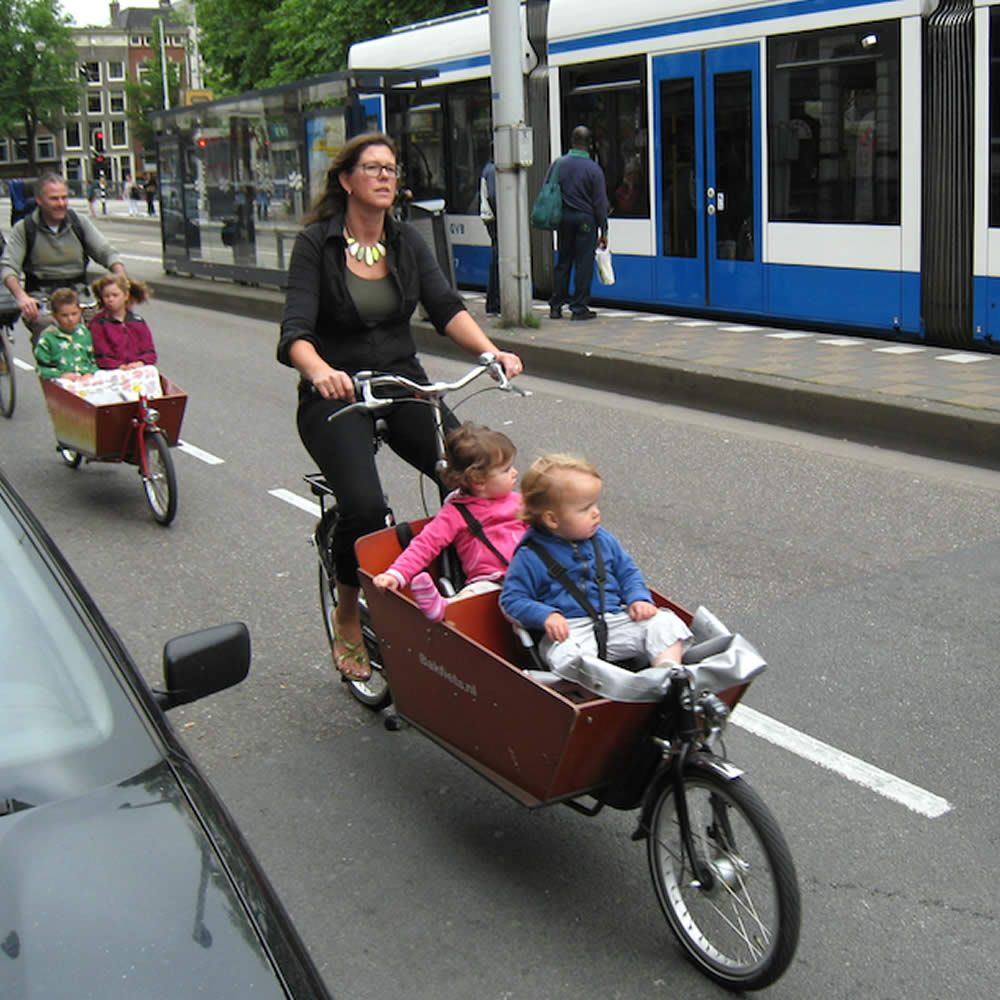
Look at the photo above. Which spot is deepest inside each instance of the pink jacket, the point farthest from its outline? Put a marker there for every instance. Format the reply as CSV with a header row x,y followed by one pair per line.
x,y
501,526
117,344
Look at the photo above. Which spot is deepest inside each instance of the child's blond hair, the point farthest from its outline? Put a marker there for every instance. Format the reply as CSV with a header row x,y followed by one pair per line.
x,y
135,291
541,486
473,453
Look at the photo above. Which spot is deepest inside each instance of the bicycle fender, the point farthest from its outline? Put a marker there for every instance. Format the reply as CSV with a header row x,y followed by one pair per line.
x,y
665,776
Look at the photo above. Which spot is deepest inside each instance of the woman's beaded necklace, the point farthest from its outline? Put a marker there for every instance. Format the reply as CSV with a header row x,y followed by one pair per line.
x,y
369,255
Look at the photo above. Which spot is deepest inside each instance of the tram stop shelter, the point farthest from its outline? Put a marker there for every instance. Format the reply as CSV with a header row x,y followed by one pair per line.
x,y
237,175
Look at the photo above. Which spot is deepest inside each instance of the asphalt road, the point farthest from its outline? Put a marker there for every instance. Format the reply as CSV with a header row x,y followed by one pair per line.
x,y
868,579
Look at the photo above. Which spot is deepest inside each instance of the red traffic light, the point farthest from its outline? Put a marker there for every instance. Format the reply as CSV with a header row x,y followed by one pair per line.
x,y
201,141
99,136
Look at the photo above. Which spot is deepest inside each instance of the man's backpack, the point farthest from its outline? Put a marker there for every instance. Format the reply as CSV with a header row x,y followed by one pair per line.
x,y
547,210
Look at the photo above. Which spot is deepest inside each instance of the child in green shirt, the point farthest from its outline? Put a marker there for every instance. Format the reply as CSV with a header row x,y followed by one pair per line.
x,y
65,350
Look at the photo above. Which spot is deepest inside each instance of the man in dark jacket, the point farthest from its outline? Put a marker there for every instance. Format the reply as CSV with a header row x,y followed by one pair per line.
x,y
583,227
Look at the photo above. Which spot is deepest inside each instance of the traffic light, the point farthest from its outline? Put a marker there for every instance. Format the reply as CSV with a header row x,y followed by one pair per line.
x,y
99,141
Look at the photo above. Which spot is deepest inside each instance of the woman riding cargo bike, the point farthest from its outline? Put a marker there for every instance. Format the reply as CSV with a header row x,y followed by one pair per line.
x,y
355,278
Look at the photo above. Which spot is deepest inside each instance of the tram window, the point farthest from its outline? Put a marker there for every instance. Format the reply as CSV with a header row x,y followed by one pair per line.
x,y
610,99
680,227
444,141
995,117
834,125
470,130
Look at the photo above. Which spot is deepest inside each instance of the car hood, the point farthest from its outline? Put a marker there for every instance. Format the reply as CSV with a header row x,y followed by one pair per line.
x,y
119,894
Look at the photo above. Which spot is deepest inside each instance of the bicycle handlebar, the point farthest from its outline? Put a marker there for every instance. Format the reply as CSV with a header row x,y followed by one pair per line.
x,y
366,382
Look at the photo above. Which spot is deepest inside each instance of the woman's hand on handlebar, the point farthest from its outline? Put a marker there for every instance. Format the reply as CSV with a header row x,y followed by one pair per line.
x,y
332,383
512,364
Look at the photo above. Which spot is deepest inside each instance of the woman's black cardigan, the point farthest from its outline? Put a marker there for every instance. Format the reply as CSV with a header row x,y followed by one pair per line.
x,y
319,309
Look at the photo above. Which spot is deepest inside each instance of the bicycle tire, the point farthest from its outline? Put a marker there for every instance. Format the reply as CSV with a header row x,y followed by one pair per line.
x,y
160,485
373,693
8,389
743,930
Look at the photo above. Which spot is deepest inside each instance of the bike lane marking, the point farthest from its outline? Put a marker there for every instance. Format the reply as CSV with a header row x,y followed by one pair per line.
x,y
204,456
853,768
917,799
296,501
18,363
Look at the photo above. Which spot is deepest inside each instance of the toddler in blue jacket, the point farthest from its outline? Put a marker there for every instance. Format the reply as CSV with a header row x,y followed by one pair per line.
x,y
572,580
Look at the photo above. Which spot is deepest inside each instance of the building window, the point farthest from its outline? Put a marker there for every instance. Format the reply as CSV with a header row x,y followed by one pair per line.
x,y
20,149
91,71
116,103
833,125
4,151
73,135
95,104
45,148
116,70
118,134
610,99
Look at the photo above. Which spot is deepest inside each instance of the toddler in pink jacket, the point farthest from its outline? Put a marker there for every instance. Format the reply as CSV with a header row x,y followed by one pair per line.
x,y
481,518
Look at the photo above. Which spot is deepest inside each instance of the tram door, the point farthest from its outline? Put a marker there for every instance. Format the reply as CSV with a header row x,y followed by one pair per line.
x,y
708,216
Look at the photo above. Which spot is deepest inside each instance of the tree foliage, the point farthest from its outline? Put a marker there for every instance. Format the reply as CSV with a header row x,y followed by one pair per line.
x,y
39,71
249,44
147,94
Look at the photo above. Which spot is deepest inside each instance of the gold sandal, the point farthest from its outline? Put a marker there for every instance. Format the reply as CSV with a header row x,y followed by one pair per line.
x,y
351,659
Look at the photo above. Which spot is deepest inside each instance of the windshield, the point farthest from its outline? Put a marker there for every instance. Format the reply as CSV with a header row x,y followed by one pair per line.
x,y
66,726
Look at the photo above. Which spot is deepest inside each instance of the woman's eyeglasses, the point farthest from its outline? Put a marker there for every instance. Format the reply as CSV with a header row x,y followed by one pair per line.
x,y
374,170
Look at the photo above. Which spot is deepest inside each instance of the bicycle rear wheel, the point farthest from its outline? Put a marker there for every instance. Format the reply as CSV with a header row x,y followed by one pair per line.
x,y
741,927
161,482
374,692
8,392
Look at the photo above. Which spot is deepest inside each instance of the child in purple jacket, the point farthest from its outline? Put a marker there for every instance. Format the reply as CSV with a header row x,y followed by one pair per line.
x,y
480,467
121,337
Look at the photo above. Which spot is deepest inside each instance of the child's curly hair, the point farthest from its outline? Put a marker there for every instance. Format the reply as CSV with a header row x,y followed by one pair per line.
x,y
473,453
540,487
135,291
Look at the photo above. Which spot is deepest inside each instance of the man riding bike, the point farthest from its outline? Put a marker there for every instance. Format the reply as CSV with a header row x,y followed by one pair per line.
x,y
51,247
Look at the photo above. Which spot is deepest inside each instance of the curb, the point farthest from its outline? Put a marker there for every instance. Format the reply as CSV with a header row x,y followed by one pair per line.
x,y
919,427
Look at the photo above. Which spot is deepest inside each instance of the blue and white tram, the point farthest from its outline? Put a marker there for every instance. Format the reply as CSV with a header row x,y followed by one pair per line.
x,y
823,162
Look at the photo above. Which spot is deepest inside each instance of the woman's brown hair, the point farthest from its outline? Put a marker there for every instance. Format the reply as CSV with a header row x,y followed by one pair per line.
x,y
333,201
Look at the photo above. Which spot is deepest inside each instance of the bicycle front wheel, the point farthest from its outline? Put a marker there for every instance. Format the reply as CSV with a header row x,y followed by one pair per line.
x,y
741,926
374,692
160,480
8,393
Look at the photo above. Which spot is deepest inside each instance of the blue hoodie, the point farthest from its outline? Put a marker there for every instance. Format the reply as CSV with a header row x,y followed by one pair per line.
x,y
530,594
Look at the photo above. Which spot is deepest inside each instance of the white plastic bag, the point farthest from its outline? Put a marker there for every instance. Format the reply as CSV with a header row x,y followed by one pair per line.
x,y
605,267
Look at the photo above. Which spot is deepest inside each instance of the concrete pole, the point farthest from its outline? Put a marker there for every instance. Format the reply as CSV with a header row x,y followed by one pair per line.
x,y
512,155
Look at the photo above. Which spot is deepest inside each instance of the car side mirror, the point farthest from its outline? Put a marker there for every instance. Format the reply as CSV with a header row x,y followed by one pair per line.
x,y
203,662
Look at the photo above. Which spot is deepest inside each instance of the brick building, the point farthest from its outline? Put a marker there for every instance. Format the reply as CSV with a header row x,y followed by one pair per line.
x,y
96,138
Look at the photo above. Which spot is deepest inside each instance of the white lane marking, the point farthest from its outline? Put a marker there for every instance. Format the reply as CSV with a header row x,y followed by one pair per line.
x,y
787,336
900,349
296,501
696,322
204,456
859,771
18,363
962,359
148,260
740,329
841,342
654,319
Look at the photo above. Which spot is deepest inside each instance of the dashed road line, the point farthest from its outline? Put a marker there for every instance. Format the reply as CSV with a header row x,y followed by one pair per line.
x,y
919,800
203,456
296,501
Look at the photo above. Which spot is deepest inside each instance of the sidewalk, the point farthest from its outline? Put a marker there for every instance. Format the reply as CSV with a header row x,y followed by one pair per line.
x,y
912,397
